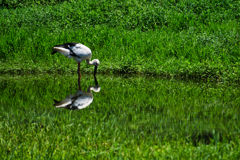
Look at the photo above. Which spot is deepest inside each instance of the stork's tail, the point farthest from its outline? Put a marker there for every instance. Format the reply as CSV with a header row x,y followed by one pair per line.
x,y
54,52
56,101
61,50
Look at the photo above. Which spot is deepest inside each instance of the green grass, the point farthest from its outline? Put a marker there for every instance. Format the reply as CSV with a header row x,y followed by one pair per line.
x,y
130,118
189,39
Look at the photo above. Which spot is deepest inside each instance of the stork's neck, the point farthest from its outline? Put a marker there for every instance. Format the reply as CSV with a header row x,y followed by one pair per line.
x,y
89,62
93,88
94,62
90,88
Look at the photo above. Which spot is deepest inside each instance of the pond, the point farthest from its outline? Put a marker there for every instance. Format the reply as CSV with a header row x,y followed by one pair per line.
x,y
112,115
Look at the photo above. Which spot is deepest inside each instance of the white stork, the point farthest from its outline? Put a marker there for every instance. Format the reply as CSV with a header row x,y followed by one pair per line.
x,y
77,51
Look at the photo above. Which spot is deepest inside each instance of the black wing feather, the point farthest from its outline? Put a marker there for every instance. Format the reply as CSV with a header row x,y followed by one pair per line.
x,y
65,45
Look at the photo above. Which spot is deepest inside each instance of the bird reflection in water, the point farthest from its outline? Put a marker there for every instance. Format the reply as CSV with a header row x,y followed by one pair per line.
x,y
80,99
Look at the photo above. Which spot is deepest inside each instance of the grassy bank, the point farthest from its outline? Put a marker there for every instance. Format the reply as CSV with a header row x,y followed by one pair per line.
x,y
197,39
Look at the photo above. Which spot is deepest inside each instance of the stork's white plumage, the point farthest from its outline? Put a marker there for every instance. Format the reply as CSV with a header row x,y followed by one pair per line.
x,y
77,51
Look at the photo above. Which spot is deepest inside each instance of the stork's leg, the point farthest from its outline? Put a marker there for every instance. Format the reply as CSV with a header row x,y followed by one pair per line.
x,y
79,83
79,73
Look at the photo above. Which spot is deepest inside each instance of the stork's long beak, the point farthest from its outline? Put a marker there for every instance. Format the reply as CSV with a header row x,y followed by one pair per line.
x,y
95,70
95,79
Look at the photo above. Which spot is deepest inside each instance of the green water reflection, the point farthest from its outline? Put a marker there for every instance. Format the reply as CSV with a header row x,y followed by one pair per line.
x,y
127,110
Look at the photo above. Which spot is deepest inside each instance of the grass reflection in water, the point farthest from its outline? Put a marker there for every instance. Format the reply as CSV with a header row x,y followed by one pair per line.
x,y
136,117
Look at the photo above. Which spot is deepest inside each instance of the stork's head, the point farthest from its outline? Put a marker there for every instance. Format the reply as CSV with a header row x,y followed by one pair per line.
x,y
96,88
95,62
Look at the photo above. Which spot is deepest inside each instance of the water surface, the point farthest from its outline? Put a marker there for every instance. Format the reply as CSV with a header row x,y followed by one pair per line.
x,y
126,111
